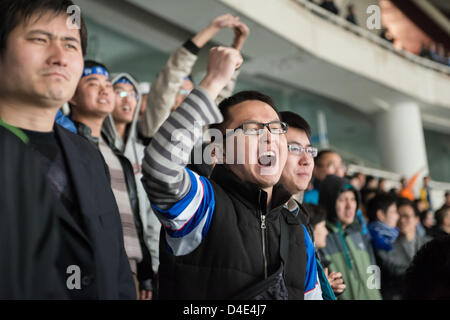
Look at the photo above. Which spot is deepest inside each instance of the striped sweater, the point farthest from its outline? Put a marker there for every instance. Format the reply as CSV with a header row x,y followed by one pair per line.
x,y
119,188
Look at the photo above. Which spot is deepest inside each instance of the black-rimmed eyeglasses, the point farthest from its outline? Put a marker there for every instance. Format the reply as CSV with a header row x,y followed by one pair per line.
x,y
298,150
257,128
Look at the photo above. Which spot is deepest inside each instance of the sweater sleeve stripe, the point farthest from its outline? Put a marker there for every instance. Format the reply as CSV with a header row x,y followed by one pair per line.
x,y
187,222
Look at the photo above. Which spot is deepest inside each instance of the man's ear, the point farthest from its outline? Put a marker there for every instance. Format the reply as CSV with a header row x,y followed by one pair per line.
x,y
380,215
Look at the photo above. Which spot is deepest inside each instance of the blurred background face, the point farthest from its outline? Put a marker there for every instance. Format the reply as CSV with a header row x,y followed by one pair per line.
x,y
126,101
346,208
428,221
258,168
94,96
391,216
320,235
43,61
330,163
298,169
408,221
184,91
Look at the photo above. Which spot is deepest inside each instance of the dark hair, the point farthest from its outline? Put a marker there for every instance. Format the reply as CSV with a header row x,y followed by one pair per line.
x,y
428,276
382,201
93,63
321,154
240,97
440,215
317,213
406,202
15,12
294,120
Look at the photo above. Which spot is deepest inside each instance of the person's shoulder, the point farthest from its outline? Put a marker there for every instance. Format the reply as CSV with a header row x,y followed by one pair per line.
x,y
79,142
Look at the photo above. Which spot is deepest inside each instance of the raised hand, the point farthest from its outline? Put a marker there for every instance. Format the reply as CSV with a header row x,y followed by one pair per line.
x,y
222,62
224,21
241,33
220,22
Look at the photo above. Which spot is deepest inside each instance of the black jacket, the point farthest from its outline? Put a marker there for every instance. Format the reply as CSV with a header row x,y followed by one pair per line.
x,y
29,229
232,256
145,271
97,249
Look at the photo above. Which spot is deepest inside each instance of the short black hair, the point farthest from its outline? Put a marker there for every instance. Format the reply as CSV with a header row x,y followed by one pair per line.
x,y
294,120
240,97
323,153
14,12
406,202
317,213
382,201
93,63
440,215
428,276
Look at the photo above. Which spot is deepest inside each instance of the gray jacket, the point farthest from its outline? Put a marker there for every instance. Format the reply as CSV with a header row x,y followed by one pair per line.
x,y
394,263
133,149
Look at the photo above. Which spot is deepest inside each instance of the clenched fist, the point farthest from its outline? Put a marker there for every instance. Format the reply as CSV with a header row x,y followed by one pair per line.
x,y
222,62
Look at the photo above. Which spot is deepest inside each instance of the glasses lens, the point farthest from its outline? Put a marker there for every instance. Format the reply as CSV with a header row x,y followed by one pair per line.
x,y
278,127
251,128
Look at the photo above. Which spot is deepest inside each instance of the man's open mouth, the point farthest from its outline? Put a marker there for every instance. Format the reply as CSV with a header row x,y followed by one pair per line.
x,y
267,159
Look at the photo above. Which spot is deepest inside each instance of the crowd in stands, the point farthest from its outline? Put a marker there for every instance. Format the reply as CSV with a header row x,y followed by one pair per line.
x,y
432,51
102,201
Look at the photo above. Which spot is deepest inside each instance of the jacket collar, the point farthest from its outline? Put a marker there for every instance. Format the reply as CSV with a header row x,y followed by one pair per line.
x,y
250,194
86,132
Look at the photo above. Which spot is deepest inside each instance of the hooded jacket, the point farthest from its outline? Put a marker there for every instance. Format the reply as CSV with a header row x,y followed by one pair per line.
x,y
347,249
133,149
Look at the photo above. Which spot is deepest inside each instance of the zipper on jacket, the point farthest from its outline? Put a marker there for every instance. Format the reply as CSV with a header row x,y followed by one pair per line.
x,y
263,236
262,201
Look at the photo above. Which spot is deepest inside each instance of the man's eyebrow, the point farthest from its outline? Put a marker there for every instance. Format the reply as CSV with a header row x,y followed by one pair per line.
x,y
70,39
92,79
299,143
38,31
52,36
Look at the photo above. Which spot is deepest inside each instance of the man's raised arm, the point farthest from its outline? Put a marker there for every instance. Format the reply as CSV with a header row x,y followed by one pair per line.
x,y
182,200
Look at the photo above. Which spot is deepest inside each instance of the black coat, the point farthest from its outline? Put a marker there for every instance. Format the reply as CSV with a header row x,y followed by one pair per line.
x,y
230,258
29,228
98,249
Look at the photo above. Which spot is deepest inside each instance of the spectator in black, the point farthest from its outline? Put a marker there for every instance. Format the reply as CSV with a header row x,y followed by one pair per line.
x,y
41,63
446,200
427,221
351,14
442,227
29,230
428,277
330,6
382,185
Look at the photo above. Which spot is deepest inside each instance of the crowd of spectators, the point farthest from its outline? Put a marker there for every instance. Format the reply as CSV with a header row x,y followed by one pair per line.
x,y
101,202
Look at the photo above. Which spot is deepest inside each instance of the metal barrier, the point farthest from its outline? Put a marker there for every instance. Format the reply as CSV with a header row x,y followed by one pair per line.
x,y
341,22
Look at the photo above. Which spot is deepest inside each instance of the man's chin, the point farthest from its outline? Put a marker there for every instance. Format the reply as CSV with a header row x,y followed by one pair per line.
x,y
267,181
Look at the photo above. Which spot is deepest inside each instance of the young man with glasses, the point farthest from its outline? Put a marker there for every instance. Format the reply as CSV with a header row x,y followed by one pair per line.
x,y
223,234
295,178
120,132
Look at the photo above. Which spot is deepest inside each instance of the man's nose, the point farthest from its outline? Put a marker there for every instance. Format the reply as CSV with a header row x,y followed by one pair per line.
x,y
57,55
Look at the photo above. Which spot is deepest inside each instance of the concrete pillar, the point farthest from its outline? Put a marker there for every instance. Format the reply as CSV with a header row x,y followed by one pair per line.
x,y
401,141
